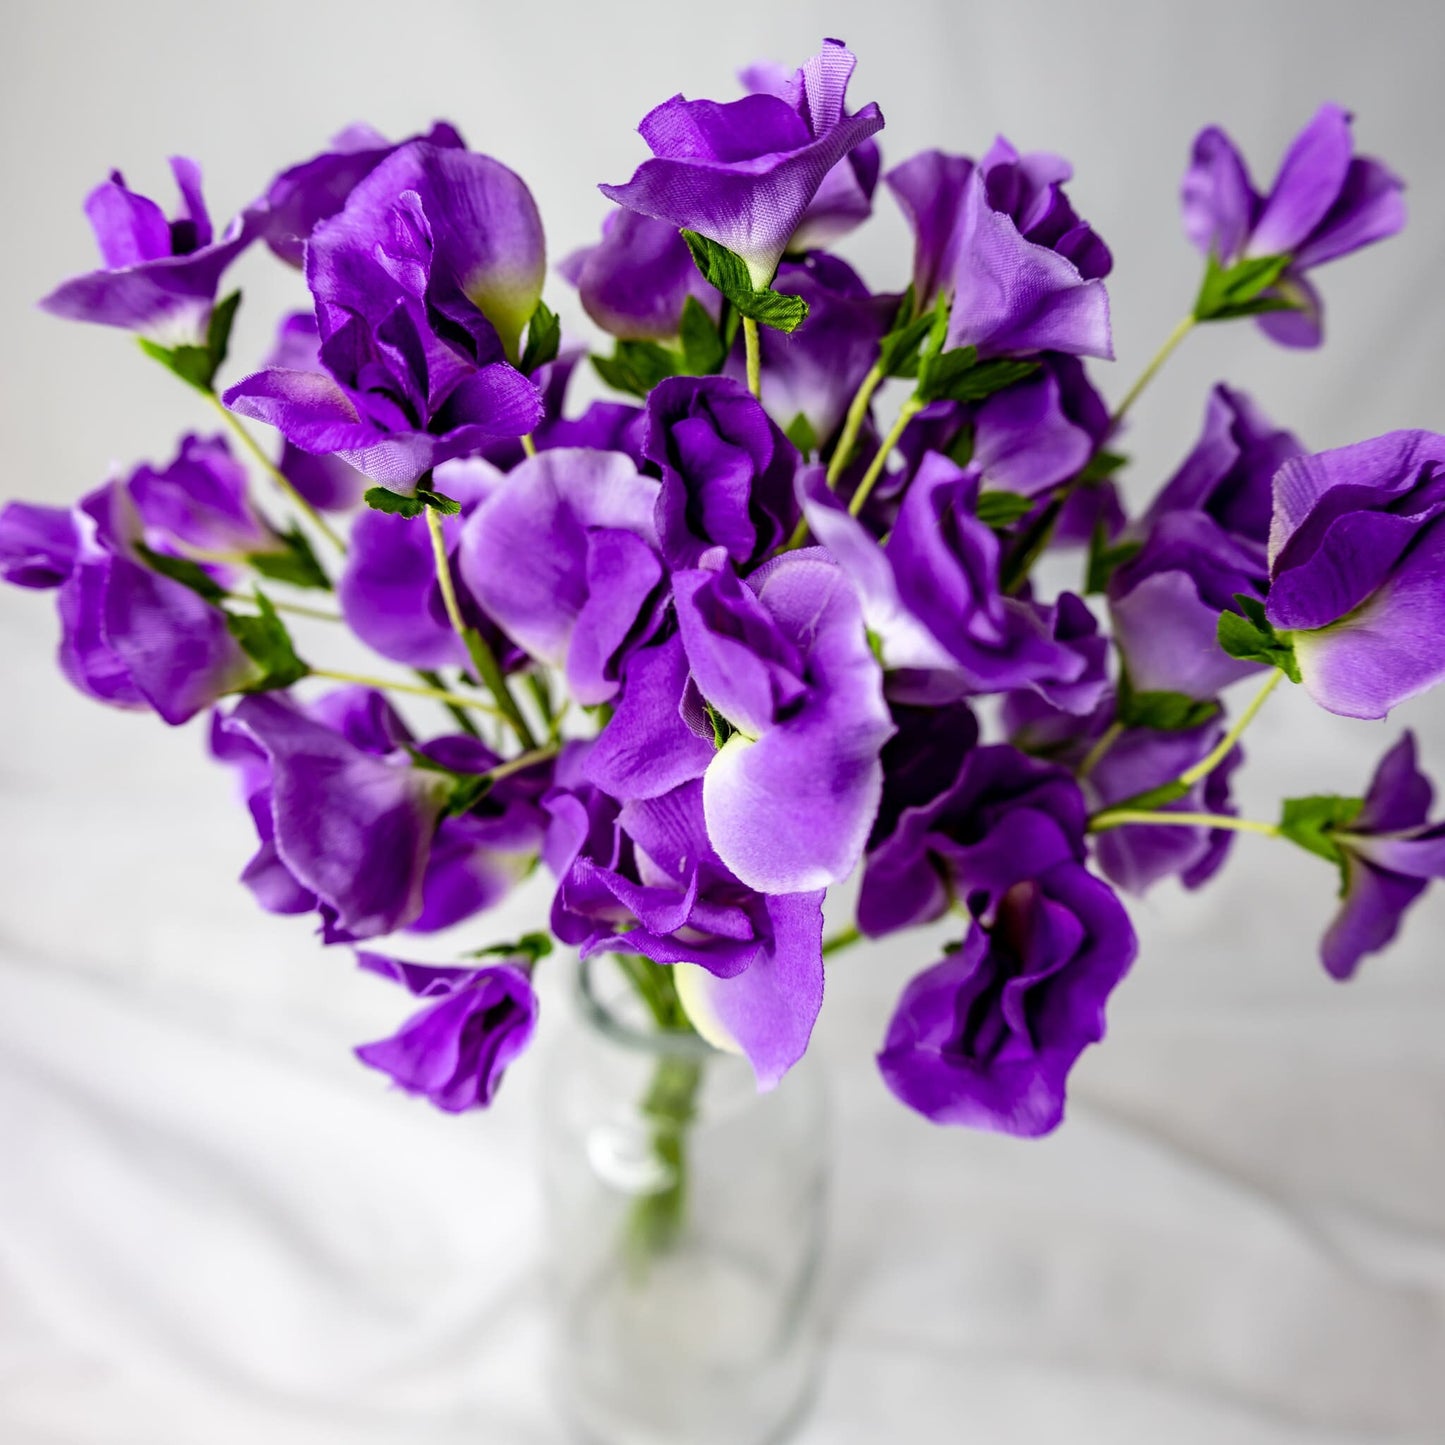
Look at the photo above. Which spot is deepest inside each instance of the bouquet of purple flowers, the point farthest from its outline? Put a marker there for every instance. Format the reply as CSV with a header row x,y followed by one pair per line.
x,y
713,647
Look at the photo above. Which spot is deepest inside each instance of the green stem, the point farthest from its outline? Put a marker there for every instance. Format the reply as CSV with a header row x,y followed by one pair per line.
x,y
522,762
382,684
1181,330
276,474
459,714
1121,817
844,938
906,413
1225,746
853,424
300,609
529,446
1096,754
483,659
754,350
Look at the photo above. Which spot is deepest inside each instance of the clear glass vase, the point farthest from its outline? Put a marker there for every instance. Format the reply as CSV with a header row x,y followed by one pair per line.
x,y
686,1217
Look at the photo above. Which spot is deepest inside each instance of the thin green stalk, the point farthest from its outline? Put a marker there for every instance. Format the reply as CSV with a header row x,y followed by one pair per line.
x,y
484,660
844,938
1225,746
1121,817
382,684
300,609
522,762
1181,330
1099,751
906,413
459,715
853,424
754,349
529,446
276,474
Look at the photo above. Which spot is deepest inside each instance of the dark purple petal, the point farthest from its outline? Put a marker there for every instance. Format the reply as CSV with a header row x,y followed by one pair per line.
x,y
37,544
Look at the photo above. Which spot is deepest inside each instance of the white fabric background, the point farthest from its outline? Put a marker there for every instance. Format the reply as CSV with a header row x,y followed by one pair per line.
x,y
215,1227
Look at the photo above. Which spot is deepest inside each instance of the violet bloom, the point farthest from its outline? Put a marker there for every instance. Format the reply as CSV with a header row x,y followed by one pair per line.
x,y
981,826
727,471
304,195
1324,203
1165,605
455,1051
643,877
423,283
1388,854
744,173
1357,570
1229,474
564,558
636,280
38,545
160,277
814,372
1000,239
987,1037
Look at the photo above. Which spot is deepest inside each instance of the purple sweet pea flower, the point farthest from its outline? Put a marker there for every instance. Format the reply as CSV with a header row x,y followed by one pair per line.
x,y
813,372
744,173
1000,239
563,557
1325,202
456,1050
1357,570
1229,474
304,195
987,1037
1389,852
636,280
727,471
998,818
160,277
423,283
38,545
1165,605
643,877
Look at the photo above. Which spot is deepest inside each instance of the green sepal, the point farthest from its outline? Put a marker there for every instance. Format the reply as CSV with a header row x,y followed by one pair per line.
x,y
397,504
728,272
1165,712
1101,466
533,946
544,338
1311,822
637,366
722,729
265,640
296,565
183,570
1238,290
197,365
703,348
1251,638
898,352
1105,558
959,375
467,789
800,432
960,449
1001,510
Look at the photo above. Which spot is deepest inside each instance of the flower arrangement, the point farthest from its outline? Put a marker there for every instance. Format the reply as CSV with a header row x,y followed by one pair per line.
x,y
710,649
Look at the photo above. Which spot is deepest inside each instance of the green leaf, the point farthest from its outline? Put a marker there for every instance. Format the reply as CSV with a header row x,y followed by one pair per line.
x,y
383,499
959,375
183,570
1168,712
1002,509
1312,822
197,365
438,501
296,565
898,353
1250,637
1102,465
637,366
800,432
1105,558
703,347
728,272
534,946
544,338
1239,290
265,640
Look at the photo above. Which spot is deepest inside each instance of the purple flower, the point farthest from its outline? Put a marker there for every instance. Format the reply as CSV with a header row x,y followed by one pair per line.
x,y
1165,605
636,280
38,545
1000,239
1357,570
989,822
643,877
159,277
727,471
813,372
1388,854
563,557
423,283
455,1051
1325,202
1229,473
987,1037
745,173
304,195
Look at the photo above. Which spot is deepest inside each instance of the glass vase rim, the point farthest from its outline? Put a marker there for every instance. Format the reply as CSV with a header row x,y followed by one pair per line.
x,y
673,1043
